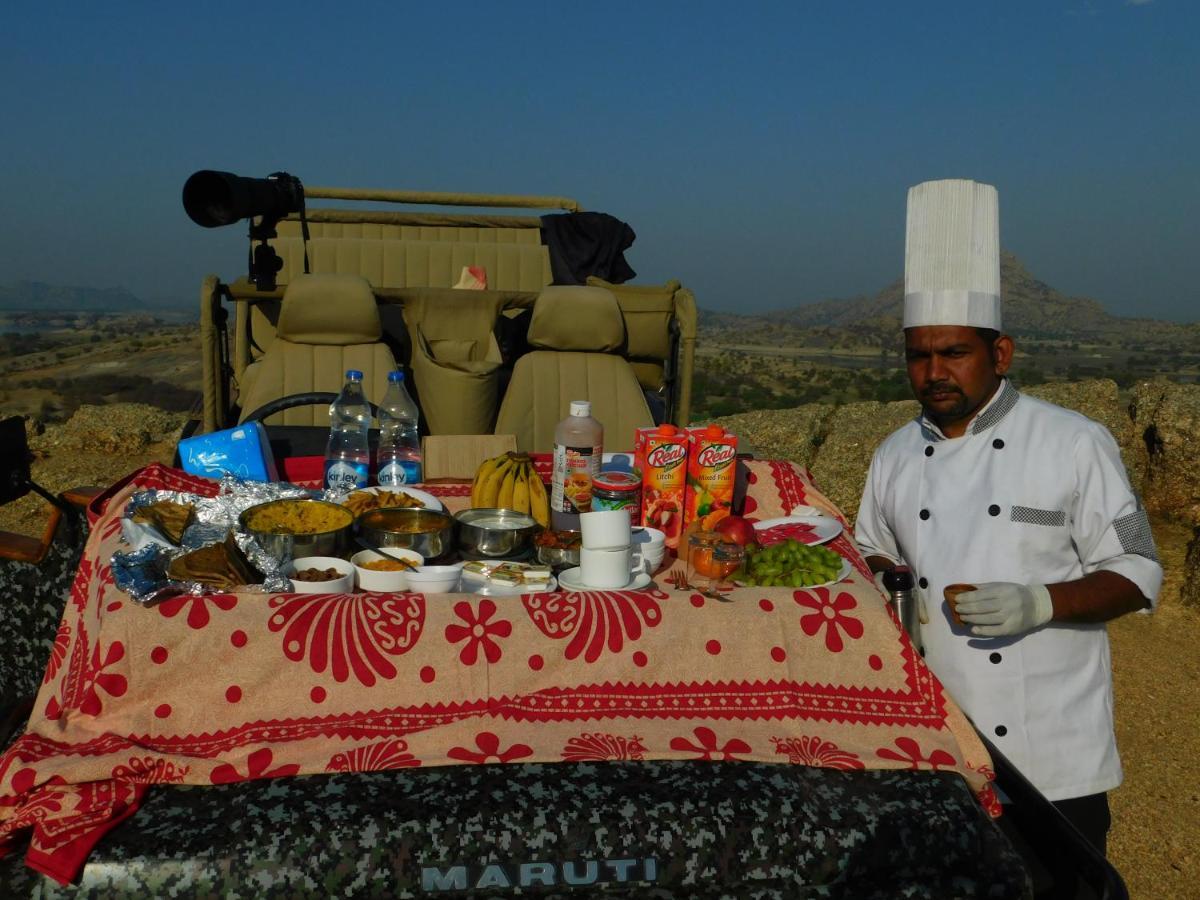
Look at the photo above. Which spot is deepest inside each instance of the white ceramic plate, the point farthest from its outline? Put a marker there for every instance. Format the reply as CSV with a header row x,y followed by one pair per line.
x,y
427,500
820,528
570,580
842,575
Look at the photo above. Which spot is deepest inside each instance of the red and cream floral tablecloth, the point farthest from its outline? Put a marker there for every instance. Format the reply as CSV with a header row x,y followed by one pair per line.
x,y
223,688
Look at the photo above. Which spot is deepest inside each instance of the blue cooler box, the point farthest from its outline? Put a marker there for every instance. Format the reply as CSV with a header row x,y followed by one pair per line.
x,y
244,451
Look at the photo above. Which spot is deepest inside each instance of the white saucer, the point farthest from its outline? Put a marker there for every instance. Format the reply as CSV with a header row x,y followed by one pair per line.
x,y
569,580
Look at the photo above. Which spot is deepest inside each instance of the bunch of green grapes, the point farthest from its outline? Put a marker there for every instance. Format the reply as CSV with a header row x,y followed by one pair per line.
x,y
789,563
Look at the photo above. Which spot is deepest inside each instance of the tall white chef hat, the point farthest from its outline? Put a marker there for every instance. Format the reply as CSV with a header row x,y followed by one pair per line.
x,y
952,255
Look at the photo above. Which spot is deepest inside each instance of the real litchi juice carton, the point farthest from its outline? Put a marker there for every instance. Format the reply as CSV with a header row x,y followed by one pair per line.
x,y
711,474
661,454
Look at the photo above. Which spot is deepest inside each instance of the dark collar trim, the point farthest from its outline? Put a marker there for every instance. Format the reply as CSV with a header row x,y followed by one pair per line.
x,y
1004,404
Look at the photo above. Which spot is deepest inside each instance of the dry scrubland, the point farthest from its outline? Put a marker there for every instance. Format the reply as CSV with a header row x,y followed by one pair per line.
x,y
1157,812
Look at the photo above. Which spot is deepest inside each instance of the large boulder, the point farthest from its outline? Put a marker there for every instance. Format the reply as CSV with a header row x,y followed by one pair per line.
x,y
1189,587
117,428
1166,421
850,441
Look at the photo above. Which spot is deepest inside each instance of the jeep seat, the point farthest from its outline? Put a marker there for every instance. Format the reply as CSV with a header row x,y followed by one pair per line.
x,y
578,333
327,324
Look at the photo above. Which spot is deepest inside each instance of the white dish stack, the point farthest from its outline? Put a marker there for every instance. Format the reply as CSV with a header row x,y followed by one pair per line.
x,y
608,558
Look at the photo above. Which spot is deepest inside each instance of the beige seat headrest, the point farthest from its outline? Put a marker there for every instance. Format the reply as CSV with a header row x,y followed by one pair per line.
x,y
568,317
338,310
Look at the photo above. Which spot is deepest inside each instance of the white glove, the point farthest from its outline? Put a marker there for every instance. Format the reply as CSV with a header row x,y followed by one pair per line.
x,y
1000,608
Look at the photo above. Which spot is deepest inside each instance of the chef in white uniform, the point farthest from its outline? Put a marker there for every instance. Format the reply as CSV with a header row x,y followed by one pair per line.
x,y
1025,500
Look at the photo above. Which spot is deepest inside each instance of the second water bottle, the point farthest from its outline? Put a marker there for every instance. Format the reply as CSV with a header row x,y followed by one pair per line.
x,y
399,459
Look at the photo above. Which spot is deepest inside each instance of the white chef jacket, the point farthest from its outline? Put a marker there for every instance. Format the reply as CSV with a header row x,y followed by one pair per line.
x,y
1035,494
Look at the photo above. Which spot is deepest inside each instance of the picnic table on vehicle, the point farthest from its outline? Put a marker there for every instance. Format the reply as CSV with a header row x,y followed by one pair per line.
x,y
229,688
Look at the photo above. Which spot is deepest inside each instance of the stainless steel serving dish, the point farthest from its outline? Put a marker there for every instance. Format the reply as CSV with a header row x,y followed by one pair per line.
x,y
425,531
558,557
283,545
495,533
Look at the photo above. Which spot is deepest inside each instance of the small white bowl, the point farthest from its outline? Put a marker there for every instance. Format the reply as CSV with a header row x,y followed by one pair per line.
x,y
383,582
435,579
646,537
653,559
342,585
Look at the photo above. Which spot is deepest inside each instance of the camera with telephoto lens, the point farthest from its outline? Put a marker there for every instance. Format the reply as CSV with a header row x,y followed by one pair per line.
x,y
213,199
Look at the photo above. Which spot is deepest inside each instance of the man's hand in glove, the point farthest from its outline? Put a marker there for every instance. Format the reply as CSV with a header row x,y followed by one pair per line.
x,y
999,608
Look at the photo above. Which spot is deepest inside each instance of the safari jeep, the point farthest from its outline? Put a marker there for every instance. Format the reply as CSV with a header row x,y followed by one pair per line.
x,y
385,289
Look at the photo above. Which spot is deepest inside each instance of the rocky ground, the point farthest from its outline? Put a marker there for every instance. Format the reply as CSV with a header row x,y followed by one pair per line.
x,y
1156,666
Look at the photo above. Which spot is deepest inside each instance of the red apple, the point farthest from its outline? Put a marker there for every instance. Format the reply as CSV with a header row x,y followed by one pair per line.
x,y
736,529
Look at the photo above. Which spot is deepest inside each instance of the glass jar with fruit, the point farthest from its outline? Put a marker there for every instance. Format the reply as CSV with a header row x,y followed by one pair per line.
x,y
711,559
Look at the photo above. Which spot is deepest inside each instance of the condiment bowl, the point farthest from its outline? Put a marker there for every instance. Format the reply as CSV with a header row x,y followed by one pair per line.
x,y
435,579
283,542
340,585
495,533
383,581
425,531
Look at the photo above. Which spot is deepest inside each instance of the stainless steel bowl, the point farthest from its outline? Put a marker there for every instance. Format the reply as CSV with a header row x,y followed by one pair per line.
x,y
558,557
282,546
495,533
426,531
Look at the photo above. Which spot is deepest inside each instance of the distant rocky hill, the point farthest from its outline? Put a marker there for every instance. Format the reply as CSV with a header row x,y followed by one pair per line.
x,y
1032,308
37,296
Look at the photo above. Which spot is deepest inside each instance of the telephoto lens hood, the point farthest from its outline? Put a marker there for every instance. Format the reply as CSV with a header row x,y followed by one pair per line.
x,y
213,199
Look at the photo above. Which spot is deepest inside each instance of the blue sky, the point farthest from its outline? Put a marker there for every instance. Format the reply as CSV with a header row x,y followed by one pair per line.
x,y
762,154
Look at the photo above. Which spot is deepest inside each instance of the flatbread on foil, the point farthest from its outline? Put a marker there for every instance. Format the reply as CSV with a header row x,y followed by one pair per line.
x,y
170,518
221,565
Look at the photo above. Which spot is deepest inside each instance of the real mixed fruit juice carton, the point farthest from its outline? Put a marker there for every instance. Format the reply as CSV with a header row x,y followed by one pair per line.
x,y
661,454
711,475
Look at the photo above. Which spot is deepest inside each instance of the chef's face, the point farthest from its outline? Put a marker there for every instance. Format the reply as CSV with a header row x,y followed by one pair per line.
x,y
953,371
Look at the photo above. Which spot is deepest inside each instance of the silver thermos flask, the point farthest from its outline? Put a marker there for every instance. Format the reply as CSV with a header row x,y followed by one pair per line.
x,y
898,582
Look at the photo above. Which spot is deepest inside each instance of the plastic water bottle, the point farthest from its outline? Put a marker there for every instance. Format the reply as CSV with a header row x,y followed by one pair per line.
x,y
348,453
399,458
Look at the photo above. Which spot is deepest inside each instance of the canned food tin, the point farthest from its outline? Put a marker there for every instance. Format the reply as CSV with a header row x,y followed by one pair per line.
x,y
618,490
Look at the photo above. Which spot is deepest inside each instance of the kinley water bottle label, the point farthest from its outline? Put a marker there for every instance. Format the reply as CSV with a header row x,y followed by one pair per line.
x,y
401,471
344,476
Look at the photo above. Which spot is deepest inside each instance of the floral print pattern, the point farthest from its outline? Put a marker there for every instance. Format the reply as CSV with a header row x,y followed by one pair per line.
x,y
479,632
830,614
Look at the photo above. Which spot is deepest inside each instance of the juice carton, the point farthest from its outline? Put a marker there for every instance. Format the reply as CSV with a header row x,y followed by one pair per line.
x,y
712,467
661,454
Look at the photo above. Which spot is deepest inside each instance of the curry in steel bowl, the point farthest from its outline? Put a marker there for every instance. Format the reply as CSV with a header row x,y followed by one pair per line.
x,y
293,528
425,531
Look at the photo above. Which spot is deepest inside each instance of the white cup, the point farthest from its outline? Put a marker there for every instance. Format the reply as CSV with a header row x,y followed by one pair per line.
x,y
609,568
607,529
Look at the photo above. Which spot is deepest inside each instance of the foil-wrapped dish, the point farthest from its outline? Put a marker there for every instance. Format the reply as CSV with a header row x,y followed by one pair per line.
x,y
181,543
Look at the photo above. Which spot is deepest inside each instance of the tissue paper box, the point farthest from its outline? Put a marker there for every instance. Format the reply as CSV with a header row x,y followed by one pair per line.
x,y
243,451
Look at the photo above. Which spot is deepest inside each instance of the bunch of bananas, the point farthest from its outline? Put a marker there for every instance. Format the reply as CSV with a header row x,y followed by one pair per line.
x,y
508,481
